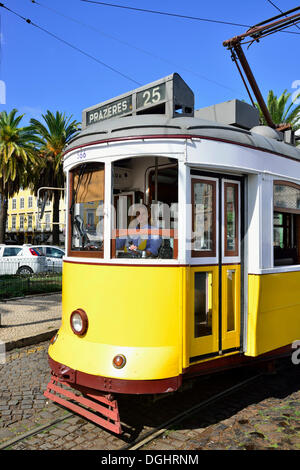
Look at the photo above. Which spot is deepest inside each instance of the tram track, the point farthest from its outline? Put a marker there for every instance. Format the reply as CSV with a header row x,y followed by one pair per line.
x,y
34,431
147,436
153,434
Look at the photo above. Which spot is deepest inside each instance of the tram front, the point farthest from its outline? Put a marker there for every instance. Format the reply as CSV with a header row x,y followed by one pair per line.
x,y
124,275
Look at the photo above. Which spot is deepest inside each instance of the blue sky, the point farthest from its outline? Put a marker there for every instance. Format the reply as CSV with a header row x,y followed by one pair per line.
x,y
41,73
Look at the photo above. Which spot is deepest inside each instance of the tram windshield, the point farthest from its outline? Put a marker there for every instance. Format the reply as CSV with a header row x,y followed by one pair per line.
x,y
87,207
145,198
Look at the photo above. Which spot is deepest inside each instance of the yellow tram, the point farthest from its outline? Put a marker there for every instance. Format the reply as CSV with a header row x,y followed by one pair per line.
x,y
183,247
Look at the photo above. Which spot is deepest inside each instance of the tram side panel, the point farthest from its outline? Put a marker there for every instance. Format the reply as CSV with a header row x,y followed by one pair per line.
x,y
274,312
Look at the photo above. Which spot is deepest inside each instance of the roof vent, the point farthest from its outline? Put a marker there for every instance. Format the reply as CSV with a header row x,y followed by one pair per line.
x,y
235,113
267,132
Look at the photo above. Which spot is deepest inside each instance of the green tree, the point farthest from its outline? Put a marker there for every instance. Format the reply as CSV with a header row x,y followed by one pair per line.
x,y
18,159
281,111
53,135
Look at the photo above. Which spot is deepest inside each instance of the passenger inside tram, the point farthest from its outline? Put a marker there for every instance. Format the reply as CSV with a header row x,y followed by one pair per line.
x,y
144,208
142,241
145,192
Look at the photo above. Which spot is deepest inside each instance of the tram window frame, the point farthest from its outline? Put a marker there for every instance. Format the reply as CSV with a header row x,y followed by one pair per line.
x,y
289,252
209,253
235,250
71,250
147,200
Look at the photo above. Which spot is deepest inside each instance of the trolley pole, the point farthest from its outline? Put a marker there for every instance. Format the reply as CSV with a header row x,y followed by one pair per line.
x,y
265,28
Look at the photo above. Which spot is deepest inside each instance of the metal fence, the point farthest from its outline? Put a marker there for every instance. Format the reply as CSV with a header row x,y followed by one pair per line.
x,y
21,285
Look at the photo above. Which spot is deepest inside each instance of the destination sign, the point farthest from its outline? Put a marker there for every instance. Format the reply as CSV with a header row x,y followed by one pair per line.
x,y
151,96
169,96
116,109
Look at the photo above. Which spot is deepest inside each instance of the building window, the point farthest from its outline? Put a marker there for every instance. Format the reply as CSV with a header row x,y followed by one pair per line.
x,y
13,222
22,222
47,220
286,223
21,203
29,222
30,202
14,204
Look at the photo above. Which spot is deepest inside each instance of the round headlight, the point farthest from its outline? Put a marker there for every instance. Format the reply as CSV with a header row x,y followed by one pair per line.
x,y
79,322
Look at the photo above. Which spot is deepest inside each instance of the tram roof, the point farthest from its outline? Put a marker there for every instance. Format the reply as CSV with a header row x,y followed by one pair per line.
x,y
162,125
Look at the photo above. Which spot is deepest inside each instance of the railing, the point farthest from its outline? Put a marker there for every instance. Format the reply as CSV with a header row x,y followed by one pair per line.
x,y
21,285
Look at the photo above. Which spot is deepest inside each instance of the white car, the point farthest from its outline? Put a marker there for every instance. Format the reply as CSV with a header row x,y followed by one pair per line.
x,y
21,259
54,255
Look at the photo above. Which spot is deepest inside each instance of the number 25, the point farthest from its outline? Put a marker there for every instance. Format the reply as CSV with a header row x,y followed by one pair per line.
x,y
153,97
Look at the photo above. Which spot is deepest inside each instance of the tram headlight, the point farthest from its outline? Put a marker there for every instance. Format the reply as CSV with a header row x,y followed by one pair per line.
x,y
79,322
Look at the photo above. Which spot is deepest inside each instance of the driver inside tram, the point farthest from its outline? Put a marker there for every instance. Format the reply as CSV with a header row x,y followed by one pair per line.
x,y
144,244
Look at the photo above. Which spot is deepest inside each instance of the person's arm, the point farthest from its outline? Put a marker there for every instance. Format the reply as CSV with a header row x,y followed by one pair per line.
x,y
153,245
120,243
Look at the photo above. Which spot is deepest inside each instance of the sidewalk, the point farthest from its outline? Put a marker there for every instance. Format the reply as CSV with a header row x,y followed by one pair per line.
x,y
29,320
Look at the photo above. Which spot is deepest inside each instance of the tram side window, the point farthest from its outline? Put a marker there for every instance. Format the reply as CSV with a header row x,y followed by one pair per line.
x,y
286,224
145,197
204,218
87,209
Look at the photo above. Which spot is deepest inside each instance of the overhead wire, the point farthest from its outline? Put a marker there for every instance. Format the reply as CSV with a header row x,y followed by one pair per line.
x,y
128,44
124,42
279,9
157,12
113,69
176,15
275,30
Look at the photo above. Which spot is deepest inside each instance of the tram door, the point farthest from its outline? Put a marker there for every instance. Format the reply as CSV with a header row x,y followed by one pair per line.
x,y
215,275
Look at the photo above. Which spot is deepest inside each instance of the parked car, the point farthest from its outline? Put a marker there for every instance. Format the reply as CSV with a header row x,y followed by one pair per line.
x,y
10,241
54,255
21,259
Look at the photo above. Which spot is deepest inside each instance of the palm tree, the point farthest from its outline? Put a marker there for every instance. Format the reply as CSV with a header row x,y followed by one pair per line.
x,y
53,136
17,160
282,112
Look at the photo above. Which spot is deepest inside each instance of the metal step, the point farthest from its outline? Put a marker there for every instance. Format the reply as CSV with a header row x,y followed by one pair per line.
x,y
100,409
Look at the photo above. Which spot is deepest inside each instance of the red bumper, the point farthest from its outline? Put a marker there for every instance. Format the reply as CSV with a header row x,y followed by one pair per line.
x,y
83,381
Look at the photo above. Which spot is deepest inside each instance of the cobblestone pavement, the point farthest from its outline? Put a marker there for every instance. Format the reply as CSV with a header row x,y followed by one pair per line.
x,y
23,320
23,407
270,424
264,416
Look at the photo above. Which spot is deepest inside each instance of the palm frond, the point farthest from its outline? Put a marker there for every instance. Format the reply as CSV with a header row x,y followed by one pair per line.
x,y
281,110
